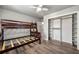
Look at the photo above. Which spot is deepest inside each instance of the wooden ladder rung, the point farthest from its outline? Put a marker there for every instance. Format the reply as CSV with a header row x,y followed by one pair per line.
x,y
3,47
18,42
12,45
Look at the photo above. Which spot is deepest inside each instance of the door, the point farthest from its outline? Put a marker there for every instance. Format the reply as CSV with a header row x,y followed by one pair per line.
x,y
67,30
55,29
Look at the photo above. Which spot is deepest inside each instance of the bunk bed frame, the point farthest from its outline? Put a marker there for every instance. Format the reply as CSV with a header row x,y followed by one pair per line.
x,y
11,24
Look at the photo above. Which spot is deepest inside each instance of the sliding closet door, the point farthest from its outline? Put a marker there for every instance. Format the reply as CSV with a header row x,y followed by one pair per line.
x,y
67,30
55,29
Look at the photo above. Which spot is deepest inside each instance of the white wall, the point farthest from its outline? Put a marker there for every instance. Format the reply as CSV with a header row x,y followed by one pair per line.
x,y
40,28
13,33
11,15
7,14
67,11
0,13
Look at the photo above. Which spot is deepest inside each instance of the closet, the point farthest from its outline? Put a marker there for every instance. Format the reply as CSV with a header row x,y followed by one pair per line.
x,y
63,29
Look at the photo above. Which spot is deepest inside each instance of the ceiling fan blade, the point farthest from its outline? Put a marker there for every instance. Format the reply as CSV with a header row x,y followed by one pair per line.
x,y
40,5
32,6
45,9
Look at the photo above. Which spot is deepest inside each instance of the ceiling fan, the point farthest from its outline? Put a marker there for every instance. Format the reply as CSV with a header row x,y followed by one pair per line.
x,y
40,8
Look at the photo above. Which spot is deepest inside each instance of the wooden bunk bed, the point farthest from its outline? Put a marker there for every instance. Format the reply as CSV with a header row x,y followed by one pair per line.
x,y
11,24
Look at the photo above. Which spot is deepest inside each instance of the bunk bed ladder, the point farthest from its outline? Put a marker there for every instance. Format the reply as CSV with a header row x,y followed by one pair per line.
x,y
34,32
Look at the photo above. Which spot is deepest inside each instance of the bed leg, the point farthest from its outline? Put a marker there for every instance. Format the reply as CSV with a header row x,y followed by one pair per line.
x,y
39,41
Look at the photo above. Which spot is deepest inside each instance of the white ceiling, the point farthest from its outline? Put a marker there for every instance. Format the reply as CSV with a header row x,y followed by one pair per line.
x,y
25,9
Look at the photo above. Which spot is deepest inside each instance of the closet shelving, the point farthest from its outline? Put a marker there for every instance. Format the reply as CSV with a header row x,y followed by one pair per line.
x,y
52,28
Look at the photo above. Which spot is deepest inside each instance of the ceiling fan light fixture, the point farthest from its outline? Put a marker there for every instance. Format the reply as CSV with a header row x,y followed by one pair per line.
x,y
38,9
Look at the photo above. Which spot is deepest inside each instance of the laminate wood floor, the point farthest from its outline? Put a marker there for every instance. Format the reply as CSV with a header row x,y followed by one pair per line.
x,y
46,47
